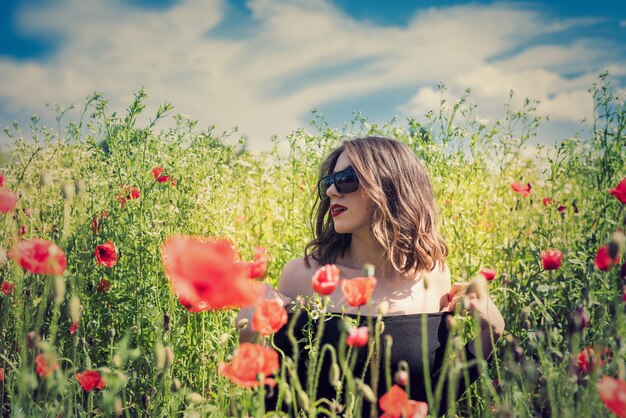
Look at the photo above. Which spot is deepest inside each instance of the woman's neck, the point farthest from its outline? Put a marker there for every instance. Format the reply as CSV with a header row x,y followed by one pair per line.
x,y
364,249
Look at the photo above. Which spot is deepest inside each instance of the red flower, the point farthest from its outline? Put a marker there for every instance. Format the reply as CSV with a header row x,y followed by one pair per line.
x,y
396,404
1,180
588,359
8,200
1,374
358,291
325,279
561,208
258,267
90,380
205,275
269,317
521,188
45,364
489,274
73,328
547,201
357,337
105,254
39,256
173,182
551,259
7,288
97,223
130,192
620,191
157,173
248,362
104,285
604,262
613,394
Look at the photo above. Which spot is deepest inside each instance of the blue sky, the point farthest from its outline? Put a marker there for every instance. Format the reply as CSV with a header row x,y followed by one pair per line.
x,y
262,65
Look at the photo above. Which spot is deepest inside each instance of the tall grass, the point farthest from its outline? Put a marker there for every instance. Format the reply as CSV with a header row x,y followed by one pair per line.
x,y
70,174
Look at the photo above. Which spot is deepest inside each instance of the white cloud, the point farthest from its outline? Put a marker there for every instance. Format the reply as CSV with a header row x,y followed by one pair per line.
x,y
114,48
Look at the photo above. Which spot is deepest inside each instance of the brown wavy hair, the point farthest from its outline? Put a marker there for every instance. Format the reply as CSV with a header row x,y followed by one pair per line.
x,y
403,211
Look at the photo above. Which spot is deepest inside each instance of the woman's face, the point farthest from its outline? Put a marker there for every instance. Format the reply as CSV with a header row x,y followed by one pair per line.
x,y
350,211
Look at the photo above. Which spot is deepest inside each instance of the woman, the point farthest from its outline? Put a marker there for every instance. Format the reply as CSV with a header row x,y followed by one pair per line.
x,y
376,205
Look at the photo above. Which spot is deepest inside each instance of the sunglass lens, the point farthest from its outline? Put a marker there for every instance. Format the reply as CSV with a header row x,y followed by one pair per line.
x,y
346,182
323,185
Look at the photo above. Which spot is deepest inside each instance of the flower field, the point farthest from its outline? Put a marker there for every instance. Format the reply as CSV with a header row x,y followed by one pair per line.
x,y
126,250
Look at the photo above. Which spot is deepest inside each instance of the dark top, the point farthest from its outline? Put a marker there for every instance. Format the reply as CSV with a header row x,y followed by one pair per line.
x,y
406,332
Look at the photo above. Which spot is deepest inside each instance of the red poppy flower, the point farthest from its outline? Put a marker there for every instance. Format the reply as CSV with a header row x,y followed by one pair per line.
x,y
521,188
269,317
258,267
325,279
588,358
39,256
1,180
205,275
90,380
358,291
104,285
45,364
547,201
173,182
7,288
603,261
23,229
489,274
396,404
248,362
620,191
551,259
157,173
73,328
613,394
8,200
357,337
1,374
130,192
105,254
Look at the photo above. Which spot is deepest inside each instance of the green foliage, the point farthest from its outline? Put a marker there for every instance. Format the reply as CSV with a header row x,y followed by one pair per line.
x,y
69,175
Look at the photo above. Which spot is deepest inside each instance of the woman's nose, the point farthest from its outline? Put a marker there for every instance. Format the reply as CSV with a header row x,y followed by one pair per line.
x,y
332,191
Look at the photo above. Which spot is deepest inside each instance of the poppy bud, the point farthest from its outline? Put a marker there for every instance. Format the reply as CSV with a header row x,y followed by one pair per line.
x,y
32,340
578,320
242,323
303,399
618,239
59,289
80,187
118,408
194,398
166,322
287,395
159,356
383,307
75,309
401,377
169,357
67,191
366,391
333,375
45,179
175,384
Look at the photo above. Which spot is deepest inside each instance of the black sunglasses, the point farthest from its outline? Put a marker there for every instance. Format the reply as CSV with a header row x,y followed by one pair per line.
x,y
345,181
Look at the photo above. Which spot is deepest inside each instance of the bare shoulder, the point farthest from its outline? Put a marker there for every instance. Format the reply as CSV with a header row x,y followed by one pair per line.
x,y
439,285
295,279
